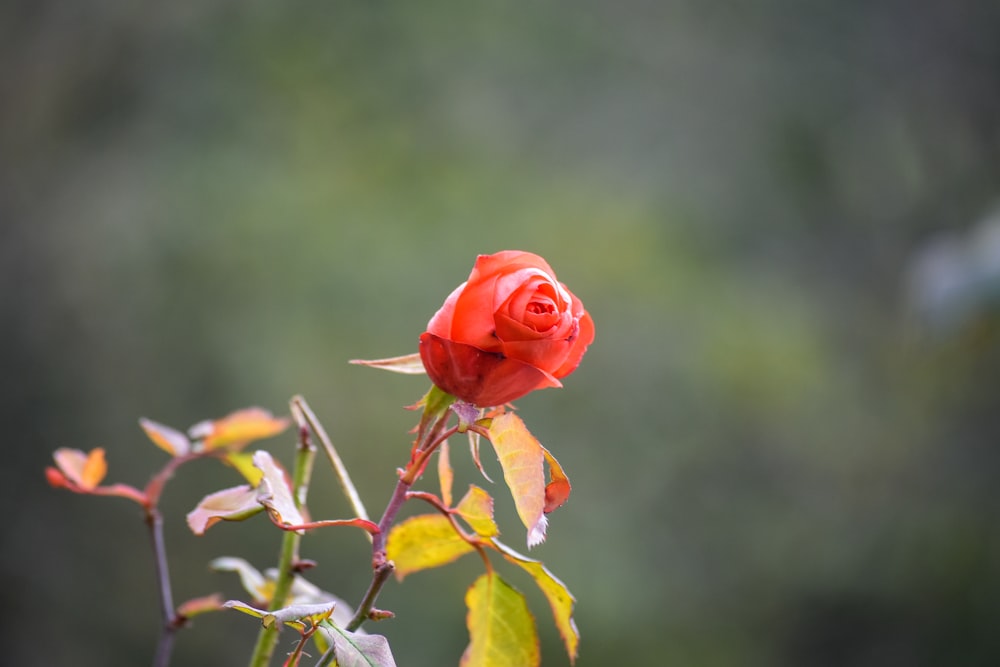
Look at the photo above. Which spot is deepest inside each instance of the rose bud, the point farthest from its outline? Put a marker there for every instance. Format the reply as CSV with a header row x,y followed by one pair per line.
x,y
509,329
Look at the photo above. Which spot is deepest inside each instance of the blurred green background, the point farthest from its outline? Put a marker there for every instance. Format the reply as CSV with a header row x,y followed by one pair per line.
x,y
785,441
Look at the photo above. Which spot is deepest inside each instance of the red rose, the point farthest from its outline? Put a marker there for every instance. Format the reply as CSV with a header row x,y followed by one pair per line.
x,y
509,329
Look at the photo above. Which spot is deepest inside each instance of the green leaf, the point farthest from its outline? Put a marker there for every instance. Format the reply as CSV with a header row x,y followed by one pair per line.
x,y
501,628
355,649
559,597
522,459
298,616
476,507
408,364
422,542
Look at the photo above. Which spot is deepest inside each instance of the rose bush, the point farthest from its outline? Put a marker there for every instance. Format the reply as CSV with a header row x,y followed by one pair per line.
x,y
509,329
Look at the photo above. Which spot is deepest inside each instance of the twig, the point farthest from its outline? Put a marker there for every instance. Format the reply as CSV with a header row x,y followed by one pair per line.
x,y
428,442
165,647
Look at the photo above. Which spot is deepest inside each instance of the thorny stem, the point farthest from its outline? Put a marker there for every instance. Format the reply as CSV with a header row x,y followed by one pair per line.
x,y
428,441
267,638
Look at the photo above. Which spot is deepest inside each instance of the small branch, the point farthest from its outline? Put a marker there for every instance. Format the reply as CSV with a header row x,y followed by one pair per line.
x,y
382,573
155,486
423,454
300,406
432,500
428,440
165,646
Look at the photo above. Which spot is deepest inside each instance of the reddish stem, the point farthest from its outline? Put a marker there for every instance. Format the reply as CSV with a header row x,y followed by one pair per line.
x,y
428,440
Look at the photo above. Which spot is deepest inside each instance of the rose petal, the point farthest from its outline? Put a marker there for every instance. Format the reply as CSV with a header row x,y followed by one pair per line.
x,y
440,322
579,346
481,378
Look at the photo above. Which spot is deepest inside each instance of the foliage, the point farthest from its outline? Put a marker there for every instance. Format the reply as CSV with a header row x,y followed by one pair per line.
x,y
501,627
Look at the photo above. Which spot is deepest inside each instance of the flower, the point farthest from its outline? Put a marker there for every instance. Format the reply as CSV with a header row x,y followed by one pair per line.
x,y
509,329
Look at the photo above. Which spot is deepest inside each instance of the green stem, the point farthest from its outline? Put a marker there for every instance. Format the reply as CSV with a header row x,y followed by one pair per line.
x,y
267,638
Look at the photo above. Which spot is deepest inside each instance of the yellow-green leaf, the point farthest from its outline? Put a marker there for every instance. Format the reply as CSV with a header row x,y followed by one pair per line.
x,y
298,616
243,462
477,510
422,542
523,462
501,628
170,440
559,597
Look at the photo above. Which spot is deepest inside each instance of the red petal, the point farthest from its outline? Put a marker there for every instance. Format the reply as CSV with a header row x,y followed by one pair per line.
x,y
481,378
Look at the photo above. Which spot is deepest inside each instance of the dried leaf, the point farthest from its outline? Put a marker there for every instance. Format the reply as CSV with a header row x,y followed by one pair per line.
x,y
170,440
558,489
238,429
422,542
474,451
476,507
501,628
446,474
252,580
408,364
559,597
261,587
522,460
84,470
202,605
274,493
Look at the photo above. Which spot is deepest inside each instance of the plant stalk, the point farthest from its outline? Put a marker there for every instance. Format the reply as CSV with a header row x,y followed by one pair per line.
x,y
267,638
382,568
165,647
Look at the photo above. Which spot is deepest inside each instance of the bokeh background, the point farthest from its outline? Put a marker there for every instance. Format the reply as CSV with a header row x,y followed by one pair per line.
x,y
785,442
